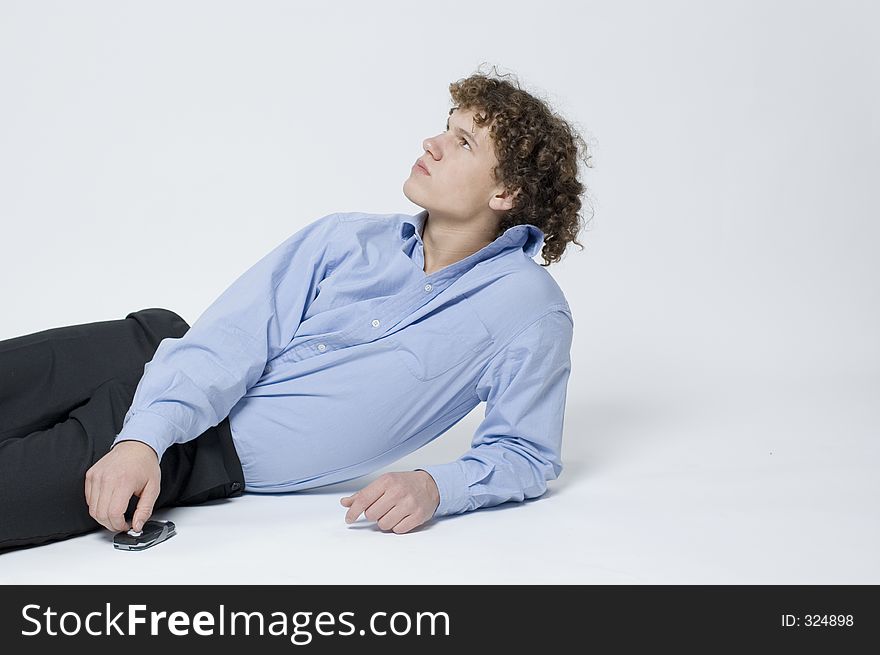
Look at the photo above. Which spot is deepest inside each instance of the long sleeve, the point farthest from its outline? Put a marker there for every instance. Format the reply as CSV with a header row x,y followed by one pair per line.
x,y
517,447
193,381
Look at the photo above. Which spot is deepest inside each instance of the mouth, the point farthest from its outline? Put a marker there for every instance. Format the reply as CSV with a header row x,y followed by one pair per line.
x,y
420,168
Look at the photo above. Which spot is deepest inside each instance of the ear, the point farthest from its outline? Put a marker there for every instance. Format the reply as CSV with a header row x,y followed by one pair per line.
x,y
504,200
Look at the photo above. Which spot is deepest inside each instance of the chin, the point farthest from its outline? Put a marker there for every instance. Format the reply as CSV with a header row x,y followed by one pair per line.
x,y
413,195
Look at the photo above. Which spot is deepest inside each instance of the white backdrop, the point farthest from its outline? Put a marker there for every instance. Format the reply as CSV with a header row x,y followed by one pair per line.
x,y
723,410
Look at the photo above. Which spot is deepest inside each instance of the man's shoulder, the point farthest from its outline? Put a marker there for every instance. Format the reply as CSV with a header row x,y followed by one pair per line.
x,y
511,298
364,218
363,224
544,287
520,282
356,216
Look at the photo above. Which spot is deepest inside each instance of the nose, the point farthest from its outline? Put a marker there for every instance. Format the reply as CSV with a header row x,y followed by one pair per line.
x,y
430,145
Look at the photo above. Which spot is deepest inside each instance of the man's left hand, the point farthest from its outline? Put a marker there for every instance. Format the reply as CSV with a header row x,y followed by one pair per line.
x,y
398,501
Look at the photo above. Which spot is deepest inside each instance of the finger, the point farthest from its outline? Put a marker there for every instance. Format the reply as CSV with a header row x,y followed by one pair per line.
x,y
117,506
102,510
392,517
95,507
380,508
91,495
354,511
407,524
145,505
345,501
362,500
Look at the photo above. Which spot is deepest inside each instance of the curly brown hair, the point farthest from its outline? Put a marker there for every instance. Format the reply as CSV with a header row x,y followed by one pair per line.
x,y
537,152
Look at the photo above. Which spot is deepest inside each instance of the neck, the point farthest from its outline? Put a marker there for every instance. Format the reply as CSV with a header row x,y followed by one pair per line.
x,y
447,242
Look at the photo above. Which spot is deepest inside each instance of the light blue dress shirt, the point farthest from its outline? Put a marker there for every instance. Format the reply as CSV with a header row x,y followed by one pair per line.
x,y
336,354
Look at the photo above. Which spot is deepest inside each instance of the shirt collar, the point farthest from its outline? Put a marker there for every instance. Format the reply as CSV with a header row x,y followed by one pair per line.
x,y
525,236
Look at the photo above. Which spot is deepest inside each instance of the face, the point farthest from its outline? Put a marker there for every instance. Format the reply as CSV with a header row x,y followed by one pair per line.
x,y
461,184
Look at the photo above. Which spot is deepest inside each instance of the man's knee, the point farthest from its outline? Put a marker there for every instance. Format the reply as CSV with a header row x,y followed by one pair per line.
x,y
159,314
161,322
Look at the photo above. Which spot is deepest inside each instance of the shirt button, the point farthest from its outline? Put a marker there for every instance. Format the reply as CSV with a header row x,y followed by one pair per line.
x,y
428,287
322,347
375,322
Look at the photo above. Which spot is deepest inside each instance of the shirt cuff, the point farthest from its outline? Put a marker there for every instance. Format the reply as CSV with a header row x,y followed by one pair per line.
x,y
452,486
143,427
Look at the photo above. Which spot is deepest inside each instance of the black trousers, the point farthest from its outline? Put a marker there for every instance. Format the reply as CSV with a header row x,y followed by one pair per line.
x,y
63,395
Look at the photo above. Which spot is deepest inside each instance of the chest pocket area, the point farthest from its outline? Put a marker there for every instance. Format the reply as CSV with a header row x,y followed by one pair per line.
x,y
439,342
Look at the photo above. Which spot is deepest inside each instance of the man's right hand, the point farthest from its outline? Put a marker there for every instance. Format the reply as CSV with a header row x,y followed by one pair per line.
x,y
130,468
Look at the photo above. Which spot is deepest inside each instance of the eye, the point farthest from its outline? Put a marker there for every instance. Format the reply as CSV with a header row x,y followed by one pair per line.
x,y
461,139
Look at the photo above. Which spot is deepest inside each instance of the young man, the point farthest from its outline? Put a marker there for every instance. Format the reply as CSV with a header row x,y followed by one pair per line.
x,y
357,340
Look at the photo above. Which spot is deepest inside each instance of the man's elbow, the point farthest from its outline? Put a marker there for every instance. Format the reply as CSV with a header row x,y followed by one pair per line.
x,y
548,471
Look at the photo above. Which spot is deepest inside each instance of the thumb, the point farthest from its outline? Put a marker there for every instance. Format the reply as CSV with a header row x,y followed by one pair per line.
x,y
145,505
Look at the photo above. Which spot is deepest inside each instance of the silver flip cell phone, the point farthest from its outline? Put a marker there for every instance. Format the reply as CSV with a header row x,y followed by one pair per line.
x,y
153,532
